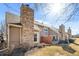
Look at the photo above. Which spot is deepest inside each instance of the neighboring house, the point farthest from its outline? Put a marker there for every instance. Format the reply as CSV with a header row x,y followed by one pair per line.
x,y
47,33
51,35
64,36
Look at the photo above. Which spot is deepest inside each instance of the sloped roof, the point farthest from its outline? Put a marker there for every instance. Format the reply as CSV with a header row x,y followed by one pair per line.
x,y
46,25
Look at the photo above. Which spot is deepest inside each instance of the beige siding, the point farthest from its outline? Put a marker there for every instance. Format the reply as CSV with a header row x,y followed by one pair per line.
x,y
12,18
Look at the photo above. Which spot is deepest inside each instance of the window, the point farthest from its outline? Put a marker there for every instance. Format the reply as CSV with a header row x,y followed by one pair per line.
x,y
35,37
46,29
53,37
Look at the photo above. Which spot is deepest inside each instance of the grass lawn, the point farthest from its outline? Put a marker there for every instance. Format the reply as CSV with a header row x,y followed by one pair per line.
x,y
57,50
75,47
51,51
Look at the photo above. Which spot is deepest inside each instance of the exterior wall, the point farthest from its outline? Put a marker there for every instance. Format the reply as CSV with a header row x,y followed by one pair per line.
x,y
13,31
55,35
62,32
50,32
46,39
44,31
27,21
12,18
69,33
65,36
47,34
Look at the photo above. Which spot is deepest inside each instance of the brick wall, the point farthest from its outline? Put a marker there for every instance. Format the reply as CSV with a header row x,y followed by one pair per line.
x,y
46,39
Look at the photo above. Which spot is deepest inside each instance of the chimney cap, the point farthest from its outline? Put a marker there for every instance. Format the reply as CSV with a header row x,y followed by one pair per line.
x,y
27,4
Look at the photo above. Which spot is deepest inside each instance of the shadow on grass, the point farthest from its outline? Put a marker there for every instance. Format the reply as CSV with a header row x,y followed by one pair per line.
x,y
18,52
68,49
76,44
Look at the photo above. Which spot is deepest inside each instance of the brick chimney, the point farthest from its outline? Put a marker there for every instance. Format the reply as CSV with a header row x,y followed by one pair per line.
x,y
27,21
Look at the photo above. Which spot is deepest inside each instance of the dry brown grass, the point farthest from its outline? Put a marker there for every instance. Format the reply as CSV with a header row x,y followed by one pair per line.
x,y
76,40
57,50
51,51
75,47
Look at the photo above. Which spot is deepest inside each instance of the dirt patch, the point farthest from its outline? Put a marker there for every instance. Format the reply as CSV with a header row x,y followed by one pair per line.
x,y
18,52
28,53
68,49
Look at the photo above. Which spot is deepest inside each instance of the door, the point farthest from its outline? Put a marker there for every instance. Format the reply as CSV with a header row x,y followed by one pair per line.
x,y
14,37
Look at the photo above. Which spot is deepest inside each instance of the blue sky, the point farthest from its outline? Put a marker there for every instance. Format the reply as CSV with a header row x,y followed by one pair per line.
x,y
51,14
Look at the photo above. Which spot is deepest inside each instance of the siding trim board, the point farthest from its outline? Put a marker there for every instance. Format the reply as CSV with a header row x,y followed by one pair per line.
x,y
14,25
